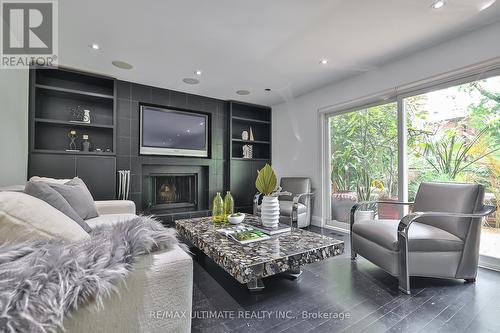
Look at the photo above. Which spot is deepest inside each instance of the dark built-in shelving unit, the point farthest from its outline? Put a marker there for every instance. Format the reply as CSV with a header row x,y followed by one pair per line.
x,y
243,171
53,93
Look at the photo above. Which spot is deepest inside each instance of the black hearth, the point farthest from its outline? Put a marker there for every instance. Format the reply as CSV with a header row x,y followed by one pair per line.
x,y
174,190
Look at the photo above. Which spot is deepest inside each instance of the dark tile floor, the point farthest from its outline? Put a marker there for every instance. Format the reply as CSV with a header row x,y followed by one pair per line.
x,y
337,295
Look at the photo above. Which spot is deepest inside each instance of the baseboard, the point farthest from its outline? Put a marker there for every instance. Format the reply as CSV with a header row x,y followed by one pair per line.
x,y
317,221
489,263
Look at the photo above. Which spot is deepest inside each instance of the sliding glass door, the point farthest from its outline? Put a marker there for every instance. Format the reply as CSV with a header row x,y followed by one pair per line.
x,y
454,136
449,134
363,158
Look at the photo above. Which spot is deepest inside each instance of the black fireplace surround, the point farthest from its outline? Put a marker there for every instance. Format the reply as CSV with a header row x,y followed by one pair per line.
x,y
174,188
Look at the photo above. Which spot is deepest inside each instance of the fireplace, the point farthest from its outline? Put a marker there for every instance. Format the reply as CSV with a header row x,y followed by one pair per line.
x,y
174,191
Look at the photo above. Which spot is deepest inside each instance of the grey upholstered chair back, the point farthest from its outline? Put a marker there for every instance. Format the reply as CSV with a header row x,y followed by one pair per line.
x,y
450,198
296,185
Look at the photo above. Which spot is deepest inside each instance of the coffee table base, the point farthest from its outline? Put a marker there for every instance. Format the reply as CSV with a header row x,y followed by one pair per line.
x,y
293,273
255,285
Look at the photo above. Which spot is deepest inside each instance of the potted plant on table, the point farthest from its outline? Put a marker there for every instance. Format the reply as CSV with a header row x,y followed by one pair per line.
x,y
266,184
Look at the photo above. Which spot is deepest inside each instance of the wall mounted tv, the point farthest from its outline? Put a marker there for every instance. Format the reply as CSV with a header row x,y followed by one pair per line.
x,y
173,132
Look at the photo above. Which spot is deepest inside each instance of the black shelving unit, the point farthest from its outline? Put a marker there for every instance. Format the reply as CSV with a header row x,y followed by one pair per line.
x,y
243,171
53,93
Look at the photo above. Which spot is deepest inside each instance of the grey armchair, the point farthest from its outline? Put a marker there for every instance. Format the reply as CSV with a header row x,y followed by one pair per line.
x,y
439,239
296,207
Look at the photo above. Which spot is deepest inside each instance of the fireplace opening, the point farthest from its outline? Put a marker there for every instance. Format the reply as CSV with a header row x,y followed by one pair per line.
x,y
174,191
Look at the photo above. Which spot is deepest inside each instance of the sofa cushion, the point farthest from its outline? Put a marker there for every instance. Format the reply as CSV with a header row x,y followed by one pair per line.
x,y
78,196
24,217
422,237
109,219
43,191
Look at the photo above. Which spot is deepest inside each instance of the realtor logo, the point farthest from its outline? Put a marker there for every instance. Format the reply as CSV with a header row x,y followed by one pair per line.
x,y
29,33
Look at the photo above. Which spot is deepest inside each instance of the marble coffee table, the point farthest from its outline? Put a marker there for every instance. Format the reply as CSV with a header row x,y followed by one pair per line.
x,y
249,263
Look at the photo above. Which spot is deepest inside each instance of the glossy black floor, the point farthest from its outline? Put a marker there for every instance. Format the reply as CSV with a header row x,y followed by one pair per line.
x,y
363,294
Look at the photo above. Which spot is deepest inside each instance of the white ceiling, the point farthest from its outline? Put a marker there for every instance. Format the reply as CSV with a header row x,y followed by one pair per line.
x,y
255,44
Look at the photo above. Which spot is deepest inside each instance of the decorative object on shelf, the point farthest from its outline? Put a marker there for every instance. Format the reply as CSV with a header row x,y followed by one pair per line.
x,y
228,205
247,151
266,184
85,143
244,135
108,150
72,143
86,116
123,184
251,134
98,150
78,115
218,209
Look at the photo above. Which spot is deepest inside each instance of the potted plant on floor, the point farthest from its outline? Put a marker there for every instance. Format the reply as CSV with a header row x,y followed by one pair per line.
x,y
364,191
266,184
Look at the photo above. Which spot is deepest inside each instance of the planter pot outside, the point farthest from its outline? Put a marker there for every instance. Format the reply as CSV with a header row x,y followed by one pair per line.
x,y
270,212
342,202
364,215
388,211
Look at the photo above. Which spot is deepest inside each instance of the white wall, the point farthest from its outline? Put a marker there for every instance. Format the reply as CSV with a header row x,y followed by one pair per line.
x,y
13,126
296,141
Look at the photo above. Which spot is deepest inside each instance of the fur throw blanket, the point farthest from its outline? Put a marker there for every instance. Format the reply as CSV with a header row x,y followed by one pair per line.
x,y
42,281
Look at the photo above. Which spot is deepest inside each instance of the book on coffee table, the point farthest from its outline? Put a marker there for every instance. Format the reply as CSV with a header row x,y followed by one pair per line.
x,y
281,228
244,234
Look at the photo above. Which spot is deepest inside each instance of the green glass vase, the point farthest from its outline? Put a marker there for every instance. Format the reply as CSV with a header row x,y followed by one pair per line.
x,y
228,205
218,209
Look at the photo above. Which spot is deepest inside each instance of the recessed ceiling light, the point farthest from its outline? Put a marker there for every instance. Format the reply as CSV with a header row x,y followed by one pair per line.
x,y
323,61
95,46
243,92
198,72
438,4
121,64
486,4
190,80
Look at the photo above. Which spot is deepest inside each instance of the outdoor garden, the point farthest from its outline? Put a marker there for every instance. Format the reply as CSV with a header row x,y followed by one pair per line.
x,y
453,134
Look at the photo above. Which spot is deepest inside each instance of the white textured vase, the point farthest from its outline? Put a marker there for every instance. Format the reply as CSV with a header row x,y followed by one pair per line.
x,y
270,211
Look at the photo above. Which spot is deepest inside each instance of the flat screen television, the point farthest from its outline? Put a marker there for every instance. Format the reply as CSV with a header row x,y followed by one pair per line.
x,y
173,132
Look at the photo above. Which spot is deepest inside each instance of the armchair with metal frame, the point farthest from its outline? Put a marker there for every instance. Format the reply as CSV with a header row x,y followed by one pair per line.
x,y
295,202
443,240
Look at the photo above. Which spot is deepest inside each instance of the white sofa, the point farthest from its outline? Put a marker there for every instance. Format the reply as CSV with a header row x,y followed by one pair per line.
x,y
156,296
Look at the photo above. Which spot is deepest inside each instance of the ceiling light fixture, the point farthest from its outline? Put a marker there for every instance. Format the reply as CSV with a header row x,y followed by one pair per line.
x,y
121,64
438,4
486,5
267,89
95,46
323,61
190,80
243,92
198,72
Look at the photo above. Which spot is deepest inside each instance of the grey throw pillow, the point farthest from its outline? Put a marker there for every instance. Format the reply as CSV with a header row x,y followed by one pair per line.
x,y
44,192
78,196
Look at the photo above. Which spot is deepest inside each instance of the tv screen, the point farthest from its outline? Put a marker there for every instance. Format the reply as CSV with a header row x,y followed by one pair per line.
x,y
173,132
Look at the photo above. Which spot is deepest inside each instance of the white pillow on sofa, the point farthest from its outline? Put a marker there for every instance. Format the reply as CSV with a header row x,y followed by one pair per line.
x,y
49,180
23,217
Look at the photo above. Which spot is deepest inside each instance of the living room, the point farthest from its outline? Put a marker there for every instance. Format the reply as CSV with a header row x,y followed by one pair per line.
x,y
284,166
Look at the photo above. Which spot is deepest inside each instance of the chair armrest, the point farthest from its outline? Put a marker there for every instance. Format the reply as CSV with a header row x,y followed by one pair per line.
x,y
406,221
115,207
297,197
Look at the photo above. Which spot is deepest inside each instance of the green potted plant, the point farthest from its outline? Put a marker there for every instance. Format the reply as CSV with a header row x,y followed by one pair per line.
x,y
266,184
364,184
